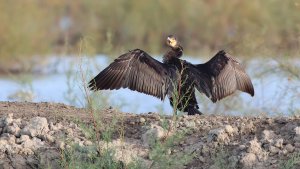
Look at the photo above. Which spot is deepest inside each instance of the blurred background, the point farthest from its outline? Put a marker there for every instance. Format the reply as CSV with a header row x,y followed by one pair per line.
x,y
42,42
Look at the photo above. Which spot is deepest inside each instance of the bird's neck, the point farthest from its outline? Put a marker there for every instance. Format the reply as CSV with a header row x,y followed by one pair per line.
x,y
173,53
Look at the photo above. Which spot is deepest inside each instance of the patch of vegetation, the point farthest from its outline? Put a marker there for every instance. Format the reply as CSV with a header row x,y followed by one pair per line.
x,y
292,163
162,157
88,157
223,160
26,91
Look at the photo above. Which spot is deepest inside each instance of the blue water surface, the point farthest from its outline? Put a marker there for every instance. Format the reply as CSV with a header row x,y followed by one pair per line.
x,y
274,91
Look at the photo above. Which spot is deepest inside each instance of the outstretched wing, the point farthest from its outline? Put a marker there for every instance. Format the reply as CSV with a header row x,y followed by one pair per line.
x,y
226,76
137,71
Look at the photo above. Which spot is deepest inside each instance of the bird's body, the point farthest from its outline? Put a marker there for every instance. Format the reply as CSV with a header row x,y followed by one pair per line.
x,y
174,77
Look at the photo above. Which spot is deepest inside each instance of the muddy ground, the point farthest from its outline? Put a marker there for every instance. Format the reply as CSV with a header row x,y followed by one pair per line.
x,y
33,135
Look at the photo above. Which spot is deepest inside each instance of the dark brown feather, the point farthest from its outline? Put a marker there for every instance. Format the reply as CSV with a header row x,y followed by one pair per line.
x,y
135,70
226,76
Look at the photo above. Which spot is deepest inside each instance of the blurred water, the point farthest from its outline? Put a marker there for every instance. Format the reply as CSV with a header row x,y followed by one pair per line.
x,y
274,91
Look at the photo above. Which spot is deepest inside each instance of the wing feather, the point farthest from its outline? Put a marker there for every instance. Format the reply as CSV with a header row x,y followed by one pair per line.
x,y
226,75
137,71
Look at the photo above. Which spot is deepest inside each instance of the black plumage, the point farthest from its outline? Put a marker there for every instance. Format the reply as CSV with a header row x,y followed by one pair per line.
x,y
174,77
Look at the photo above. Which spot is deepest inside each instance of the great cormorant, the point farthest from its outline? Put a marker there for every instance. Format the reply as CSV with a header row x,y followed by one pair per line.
x,y
174,77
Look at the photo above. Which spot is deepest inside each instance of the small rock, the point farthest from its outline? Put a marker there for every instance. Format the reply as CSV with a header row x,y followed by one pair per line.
x,y
181,124
8,119
297,145
60,144
190,124
242,147
283,152
254,146
142,120
18,121
76,140
269,121
218,135
51,126
198,122
248,160
247,128
11,139
201,158
290,148
49,138
87,143
268,136
154,133
273,150
33,143
73,125
273,161
23,138
69,132
297,139
81,144
278,143
37,126
169,152
297,131
3,146
13,129
205,150
229,130
281,120
26,151
57,126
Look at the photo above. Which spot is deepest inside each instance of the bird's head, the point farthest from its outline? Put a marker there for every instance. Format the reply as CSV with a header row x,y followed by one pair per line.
x,y
175,46
172,42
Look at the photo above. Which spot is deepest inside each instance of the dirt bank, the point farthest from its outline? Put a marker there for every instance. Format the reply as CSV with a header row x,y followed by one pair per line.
x,y
31,137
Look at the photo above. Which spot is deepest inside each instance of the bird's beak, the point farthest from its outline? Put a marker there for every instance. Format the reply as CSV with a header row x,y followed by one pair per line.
x,y
169,40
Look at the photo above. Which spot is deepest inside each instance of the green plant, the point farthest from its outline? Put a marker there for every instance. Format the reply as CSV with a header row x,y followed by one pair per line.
x,y
70,96
88,157
93,156
160,153
223,160
26,91
292,163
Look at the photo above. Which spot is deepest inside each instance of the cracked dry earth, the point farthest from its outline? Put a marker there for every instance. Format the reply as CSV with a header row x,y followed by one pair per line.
x,y
32,135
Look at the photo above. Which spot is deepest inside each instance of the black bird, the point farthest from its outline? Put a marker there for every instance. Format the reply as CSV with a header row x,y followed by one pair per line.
x,y
176,78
